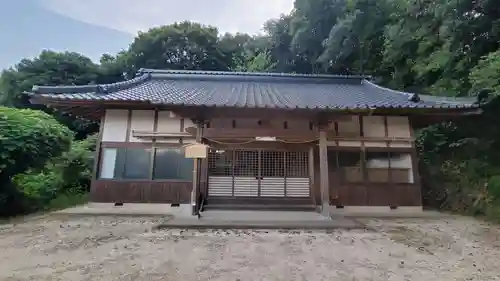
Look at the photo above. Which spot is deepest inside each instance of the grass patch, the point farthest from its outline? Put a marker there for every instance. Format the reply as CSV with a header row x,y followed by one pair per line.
x,y
62,201
66,200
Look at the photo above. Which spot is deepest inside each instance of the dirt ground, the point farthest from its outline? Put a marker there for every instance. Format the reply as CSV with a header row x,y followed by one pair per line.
x,y
108,249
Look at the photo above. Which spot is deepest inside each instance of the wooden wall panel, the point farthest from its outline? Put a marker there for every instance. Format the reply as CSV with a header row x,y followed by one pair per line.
x,y
378,195
119,191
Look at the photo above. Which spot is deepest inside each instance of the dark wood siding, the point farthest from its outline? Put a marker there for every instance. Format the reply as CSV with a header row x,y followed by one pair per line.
x,y
119,191
377,195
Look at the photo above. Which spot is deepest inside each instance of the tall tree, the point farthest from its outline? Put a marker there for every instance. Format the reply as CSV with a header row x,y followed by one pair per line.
x,y
311,23
236,49
51,69
355,43
184,45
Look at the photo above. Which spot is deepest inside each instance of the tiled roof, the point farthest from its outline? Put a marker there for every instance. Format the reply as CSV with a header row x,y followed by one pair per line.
x,y
253,90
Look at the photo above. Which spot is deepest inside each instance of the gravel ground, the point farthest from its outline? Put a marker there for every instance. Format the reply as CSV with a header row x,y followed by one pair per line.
x,y
104,248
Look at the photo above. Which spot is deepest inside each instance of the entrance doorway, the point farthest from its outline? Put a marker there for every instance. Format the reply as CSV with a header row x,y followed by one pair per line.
x,y
258,176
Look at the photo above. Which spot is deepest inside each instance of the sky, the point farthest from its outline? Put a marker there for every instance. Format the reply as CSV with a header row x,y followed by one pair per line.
x,y
132,16
95,27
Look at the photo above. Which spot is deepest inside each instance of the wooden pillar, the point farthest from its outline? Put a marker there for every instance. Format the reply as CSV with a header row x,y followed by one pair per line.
x,y
97,160
323,173
195,192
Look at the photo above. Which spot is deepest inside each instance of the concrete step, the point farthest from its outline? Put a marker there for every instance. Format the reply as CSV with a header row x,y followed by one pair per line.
x,y
259,207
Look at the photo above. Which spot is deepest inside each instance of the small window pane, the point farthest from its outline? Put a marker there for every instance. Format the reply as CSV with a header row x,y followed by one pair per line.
x,y
220,162
272,164
349,166
246,163
170,164
377,166
136,163
108,161
401,168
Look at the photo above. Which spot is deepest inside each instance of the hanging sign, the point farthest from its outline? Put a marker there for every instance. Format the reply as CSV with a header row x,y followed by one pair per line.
x,y
265,138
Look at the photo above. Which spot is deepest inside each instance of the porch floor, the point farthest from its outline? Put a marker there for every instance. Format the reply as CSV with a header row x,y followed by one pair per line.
x,y
180,217
220,219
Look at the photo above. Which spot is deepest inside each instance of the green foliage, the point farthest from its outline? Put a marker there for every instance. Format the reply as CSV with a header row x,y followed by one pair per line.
x,y
51,68
182,45
494,187
39,187
485,76
67,199
260,63
29,138
460,164
63,180
76,165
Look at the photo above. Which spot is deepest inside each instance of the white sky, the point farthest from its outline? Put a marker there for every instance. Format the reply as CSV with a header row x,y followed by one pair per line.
x,y
139,15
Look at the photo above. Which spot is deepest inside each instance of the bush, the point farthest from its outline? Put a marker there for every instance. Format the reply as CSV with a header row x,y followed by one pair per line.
x,y
28,139
76,165
460,164
65,178
38,188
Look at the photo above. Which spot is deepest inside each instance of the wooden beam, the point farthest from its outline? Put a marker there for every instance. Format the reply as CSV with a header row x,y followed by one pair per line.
x,y
195,193
97,159
312,177
323,174
155,134
230,133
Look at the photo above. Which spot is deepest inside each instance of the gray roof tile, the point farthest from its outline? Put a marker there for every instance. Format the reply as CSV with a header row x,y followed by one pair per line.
x,y
253,90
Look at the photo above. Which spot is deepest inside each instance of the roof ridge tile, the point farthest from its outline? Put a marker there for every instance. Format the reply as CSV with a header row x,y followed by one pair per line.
x,y
95,88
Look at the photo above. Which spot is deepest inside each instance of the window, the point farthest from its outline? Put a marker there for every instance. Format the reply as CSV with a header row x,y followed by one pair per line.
x,y
123,163
401,168
377,166
134,162
349,165
108,159
272,164
220,162
371,166
170,164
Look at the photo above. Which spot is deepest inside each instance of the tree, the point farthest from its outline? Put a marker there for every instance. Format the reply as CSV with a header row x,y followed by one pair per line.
x,y
356,42
51,69
310,24
28,139
182,45
236,49
260,63
485,76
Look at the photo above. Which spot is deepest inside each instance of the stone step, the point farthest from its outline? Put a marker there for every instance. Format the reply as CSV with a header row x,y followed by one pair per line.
x,y
259,207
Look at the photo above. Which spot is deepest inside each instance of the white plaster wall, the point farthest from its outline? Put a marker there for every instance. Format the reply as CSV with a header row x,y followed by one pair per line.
x,y
142,120
188,123
349,128
115,125
399,126
374,127
168,122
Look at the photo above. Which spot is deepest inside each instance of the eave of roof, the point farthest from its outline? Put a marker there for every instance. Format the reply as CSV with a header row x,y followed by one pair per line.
x,y
250,90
